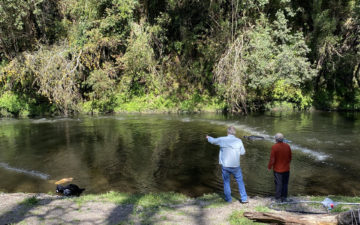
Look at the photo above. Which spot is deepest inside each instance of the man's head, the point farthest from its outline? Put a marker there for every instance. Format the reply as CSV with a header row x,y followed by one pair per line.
x,y
279,137
231,130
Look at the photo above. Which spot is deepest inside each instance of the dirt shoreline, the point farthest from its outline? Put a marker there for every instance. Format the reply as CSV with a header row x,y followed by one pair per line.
x,y
27,208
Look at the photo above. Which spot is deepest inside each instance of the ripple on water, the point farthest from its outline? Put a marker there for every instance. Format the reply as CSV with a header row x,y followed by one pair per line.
x,y
316,154
28,172
46,120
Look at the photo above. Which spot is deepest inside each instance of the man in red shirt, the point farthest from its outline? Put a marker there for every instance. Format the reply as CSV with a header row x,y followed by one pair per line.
x,y
280,159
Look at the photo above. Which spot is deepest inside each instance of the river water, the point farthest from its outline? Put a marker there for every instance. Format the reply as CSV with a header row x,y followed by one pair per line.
x,y
152,153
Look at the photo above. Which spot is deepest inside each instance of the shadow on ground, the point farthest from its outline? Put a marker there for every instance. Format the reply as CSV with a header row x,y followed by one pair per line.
x,y
127,209
189,212
24,209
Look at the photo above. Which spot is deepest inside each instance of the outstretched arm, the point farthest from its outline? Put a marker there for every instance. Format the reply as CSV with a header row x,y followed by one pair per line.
x,y
212,140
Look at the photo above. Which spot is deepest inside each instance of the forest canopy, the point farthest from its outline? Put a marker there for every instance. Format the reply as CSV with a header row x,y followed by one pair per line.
x,y
98,56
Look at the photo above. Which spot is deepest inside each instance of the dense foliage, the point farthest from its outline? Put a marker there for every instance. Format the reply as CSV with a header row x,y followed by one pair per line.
x,y
91,56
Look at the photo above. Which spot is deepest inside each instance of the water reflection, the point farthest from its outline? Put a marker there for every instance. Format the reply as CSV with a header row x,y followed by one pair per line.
x,y
150,153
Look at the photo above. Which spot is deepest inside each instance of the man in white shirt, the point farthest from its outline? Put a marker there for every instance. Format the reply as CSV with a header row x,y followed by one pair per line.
x,y
231,148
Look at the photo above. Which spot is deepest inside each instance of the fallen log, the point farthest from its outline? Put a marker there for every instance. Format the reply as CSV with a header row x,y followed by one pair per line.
x,y
349,217
291,218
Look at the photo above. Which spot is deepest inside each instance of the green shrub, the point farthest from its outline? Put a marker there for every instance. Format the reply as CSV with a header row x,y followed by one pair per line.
x,y
13,105
152,102
10,102
16,105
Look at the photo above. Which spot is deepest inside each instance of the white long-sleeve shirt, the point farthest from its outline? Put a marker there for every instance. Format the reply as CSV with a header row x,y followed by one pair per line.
x,y
231,148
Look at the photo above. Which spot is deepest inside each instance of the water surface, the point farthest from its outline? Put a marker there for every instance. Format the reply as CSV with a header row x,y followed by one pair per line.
x,y
151,153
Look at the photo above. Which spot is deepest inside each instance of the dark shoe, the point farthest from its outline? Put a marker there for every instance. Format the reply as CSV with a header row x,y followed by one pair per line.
x,y
245,202
287,200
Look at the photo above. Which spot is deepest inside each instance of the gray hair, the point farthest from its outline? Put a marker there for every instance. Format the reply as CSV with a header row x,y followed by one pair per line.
x,y
279,137
231,130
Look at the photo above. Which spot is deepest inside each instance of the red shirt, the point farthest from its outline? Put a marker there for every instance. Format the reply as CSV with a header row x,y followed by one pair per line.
x,y
280,157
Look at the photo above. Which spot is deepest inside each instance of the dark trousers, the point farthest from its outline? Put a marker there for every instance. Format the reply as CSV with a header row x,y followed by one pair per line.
x,y
281,185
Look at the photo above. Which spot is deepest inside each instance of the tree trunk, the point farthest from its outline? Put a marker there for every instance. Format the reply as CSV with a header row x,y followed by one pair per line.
x,y
291,218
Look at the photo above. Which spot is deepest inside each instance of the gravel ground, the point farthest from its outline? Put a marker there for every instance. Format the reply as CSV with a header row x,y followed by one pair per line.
x,y
18,208
28,209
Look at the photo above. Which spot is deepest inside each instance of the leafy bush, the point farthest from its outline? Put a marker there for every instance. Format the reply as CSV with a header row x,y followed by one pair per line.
x,y
265,57
50,72
151,102
283,92
10,102
140,73
12,105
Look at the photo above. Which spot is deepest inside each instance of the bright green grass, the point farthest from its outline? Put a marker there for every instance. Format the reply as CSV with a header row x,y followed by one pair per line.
x,y
211,197
144,200
31,201
342,208
336,198
262,209
213,200
157,199
237,218
338,208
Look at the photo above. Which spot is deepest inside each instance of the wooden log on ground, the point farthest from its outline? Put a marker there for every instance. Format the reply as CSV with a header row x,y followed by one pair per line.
x,y
349,217
291,218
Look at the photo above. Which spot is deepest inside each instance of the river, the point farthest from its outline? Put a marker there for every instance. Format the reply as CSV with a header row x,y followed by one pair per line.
x,y
167,152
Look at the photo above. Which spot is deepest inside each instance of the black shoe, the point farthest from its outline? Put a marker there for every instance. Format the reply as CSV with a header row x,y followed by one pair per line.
x,y
287,200
245,202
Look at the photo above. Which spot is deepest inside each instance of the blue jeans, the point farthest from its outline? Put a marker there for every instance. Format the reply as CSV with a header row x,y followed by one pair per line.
x,y
236,172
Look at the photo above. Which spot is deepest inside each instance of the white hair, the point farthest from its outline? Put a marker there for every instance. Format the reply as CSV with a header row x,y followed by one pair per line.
x,y
279,137
231,130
